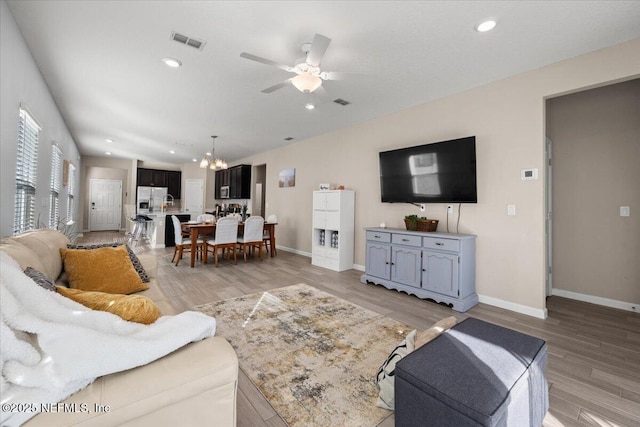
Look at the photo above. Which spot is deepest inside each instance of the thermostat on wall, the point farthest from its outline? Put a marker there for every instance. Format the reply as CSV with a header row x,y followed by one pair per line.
x,y
527,174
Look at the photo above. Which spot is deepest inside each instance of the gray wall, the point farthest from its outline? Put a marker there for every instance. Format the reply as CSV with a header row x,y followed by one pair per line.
x,y
596,169
22,83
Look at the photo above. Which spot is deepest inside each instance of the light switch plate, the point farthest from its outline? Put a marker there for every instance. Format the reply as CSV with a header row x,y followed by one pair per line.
x,y
511,210
625,211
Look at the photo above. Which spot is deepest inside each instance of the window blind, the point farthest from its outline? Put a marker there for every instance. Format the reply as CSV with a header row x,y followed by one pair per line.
x,y
56,181
26,172
71,188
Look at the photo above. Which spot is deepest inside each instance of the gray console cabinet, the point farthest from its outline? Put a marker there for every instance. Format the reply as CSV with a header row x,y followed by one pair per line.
x,y
437,266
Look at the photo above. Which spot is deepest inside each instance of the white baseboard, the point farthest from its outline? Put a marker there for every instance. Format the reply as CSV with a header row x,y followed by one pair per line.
x,y
518,308
358,267
622,305
295,251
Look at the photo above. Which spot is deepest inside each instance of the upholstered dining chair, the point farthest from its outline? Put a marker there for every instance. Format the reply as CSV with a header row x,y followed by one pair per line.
x,y
206,218
266,237
252,236
225,238
182,242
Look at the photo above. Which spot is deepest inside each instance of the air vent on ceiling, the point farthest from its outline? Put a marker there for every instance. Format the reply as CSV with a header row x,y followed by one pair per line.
x,y
289,138
189,41
341,101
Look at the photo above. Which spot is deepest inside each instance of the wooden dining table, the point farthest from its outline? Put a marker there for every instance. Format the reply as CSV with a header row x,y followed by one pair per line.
x,y
209,228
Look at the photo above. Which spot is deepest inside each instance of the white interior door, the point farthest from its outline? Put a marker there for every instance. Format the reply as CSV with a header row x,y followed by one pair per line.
x,y
105,208
194,196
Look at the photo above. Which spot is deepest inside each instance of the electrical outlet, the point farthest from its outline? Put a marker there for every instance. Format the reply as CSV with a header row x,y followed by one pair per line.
x,y
423,207
449,209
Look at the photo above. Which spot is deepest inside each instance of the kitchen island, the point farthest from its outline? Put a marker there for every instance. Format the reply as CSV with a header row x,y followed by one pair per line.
x,y
156,229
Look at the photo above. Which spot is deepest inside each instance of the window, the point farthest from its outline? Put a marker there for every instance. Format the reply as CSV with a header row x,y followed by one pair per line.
x,y
56,178
26,168
71,188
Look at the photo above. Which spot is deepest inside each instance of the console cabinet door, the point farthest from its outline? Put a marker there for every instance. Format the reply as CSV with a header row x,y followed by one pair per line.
x,y
440,273
406,265
378,262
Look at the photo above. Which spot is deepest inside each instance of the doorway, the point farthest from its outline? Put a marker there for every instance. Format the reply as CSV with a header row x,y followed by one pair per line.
x,y
194,196
259,190
105,204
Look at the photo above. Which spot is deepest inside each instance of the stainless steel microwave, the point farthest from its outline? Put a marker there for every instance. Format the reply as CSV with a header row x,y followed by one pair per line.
x,y
224,192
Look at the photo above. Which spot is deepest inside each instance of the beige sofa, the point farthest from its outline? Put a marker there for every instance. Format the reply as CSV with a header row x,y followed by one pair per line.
x,y
193,386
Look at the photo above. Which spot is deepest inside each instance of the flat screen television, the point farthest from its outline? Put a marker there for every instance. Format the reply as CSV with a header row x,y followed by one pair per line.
x,y
441,172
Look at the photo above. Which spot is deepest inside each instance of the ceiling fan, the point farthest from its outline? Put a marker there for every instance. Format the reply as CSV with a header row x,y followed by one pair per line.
x,y
308,76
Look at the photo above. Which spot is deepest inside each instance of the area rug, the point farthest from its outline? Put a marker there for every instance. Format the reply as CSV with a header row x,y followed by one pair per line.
x,y
312,355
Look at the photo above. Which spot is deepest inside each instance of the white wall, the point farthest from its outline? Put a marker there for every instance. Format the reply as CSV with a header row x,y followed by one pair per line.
x,y
507,118
22,83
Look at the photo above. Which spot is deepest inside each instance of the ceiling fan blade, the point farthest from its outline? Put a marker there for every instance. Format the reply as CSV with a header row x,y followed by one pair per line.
x,y
278,86
337,75
318,48
265,61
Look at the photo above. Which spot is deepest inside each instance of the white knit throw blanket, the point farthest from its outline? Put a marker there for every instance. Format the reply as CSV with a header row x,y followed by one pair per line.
x,y
51,346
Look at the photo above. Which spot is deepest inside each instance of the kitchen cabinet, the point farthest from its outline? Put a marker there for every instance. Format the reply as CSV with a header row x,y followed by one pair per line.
x,y
174,183
333,229
237,178
161,178
436,266
145,178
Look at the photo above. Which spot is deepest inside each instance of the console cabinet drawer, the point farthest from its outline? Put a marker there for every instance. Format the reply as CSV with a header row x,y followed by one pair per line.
x,y
377,236
406,239
441,244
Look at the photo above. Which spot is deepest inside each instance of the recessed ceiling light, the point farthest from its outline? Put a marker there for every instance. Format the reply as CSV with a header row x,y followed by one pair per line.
x,y
194,160
109,140
172,151
309,106
172,62
485,26
108,153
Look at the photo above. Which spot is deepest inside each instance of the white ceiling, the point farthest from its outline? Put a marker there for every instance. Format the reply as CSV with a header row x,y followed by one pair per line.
x,y
102,62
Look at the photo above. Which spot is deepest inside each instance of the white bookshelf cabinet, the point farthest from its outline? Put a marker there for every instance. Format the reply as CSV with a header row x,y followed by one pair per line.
x,y
333,229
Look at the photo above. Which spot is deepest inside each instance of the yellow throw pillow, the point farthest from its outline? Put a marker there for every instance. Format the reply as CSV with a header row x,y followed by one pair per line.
x,y
134,308
104,270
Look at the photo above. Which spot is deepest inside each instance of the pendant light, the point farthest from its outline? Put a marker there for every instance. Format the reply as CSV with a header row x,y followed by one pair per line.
x,y
210,161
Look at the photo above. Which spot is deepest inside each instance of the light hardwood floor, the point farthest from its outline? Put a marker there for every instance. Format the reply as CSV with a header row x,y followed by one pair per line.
x,y
594,351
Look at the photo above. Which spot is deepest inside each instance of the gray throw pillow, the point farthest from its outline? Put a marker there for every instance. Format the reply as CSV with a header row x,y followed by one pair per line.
x,y
40,278
137,265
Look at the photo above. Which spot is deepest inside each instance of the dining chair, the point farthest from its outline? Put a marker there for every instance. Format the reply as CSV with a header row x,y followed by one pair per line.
x,y
252,236
182,242
266,236
206,218
225,238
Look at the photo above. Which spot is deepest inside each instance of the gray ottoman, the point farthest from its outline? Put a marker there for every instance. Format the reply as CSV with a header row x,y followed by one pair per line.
x,y
475,374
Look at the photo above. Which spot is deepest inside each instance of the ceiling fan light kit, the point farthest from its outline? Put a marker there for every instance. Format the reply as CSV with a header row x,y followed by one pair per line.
x,y
306,83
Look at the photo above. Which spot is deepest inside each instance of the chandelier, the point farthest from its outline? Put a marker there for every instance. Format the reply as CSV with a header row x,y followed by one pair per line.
x,y
210,161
